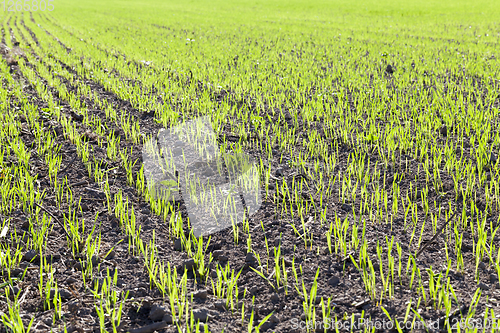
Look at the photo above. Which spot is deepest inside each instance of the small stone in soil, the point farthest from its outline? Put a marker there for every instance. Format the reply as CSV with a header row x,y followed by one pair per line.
x,y
334,281
221,306
78,266
187,264
250,258
346,207
25,225
202,294
74,306
30,255
217,253
76,116
200,314
65,294
167,318
254,290
274,319
111,254
157,312
14,293
483,286
178,244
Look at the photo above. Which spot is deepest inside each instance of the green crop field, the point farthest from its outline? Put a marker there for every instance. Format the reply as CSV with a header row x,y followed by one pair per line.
x,y
348,179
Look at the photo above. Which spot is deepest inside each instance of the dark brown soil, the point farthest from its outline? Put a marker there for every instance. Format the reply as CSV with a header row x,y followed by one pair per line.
x,y
338,277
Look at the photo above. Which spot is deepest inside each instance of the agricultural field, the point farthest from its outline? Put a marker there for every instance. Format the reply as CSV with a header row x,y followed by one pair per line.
x,y
354,150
